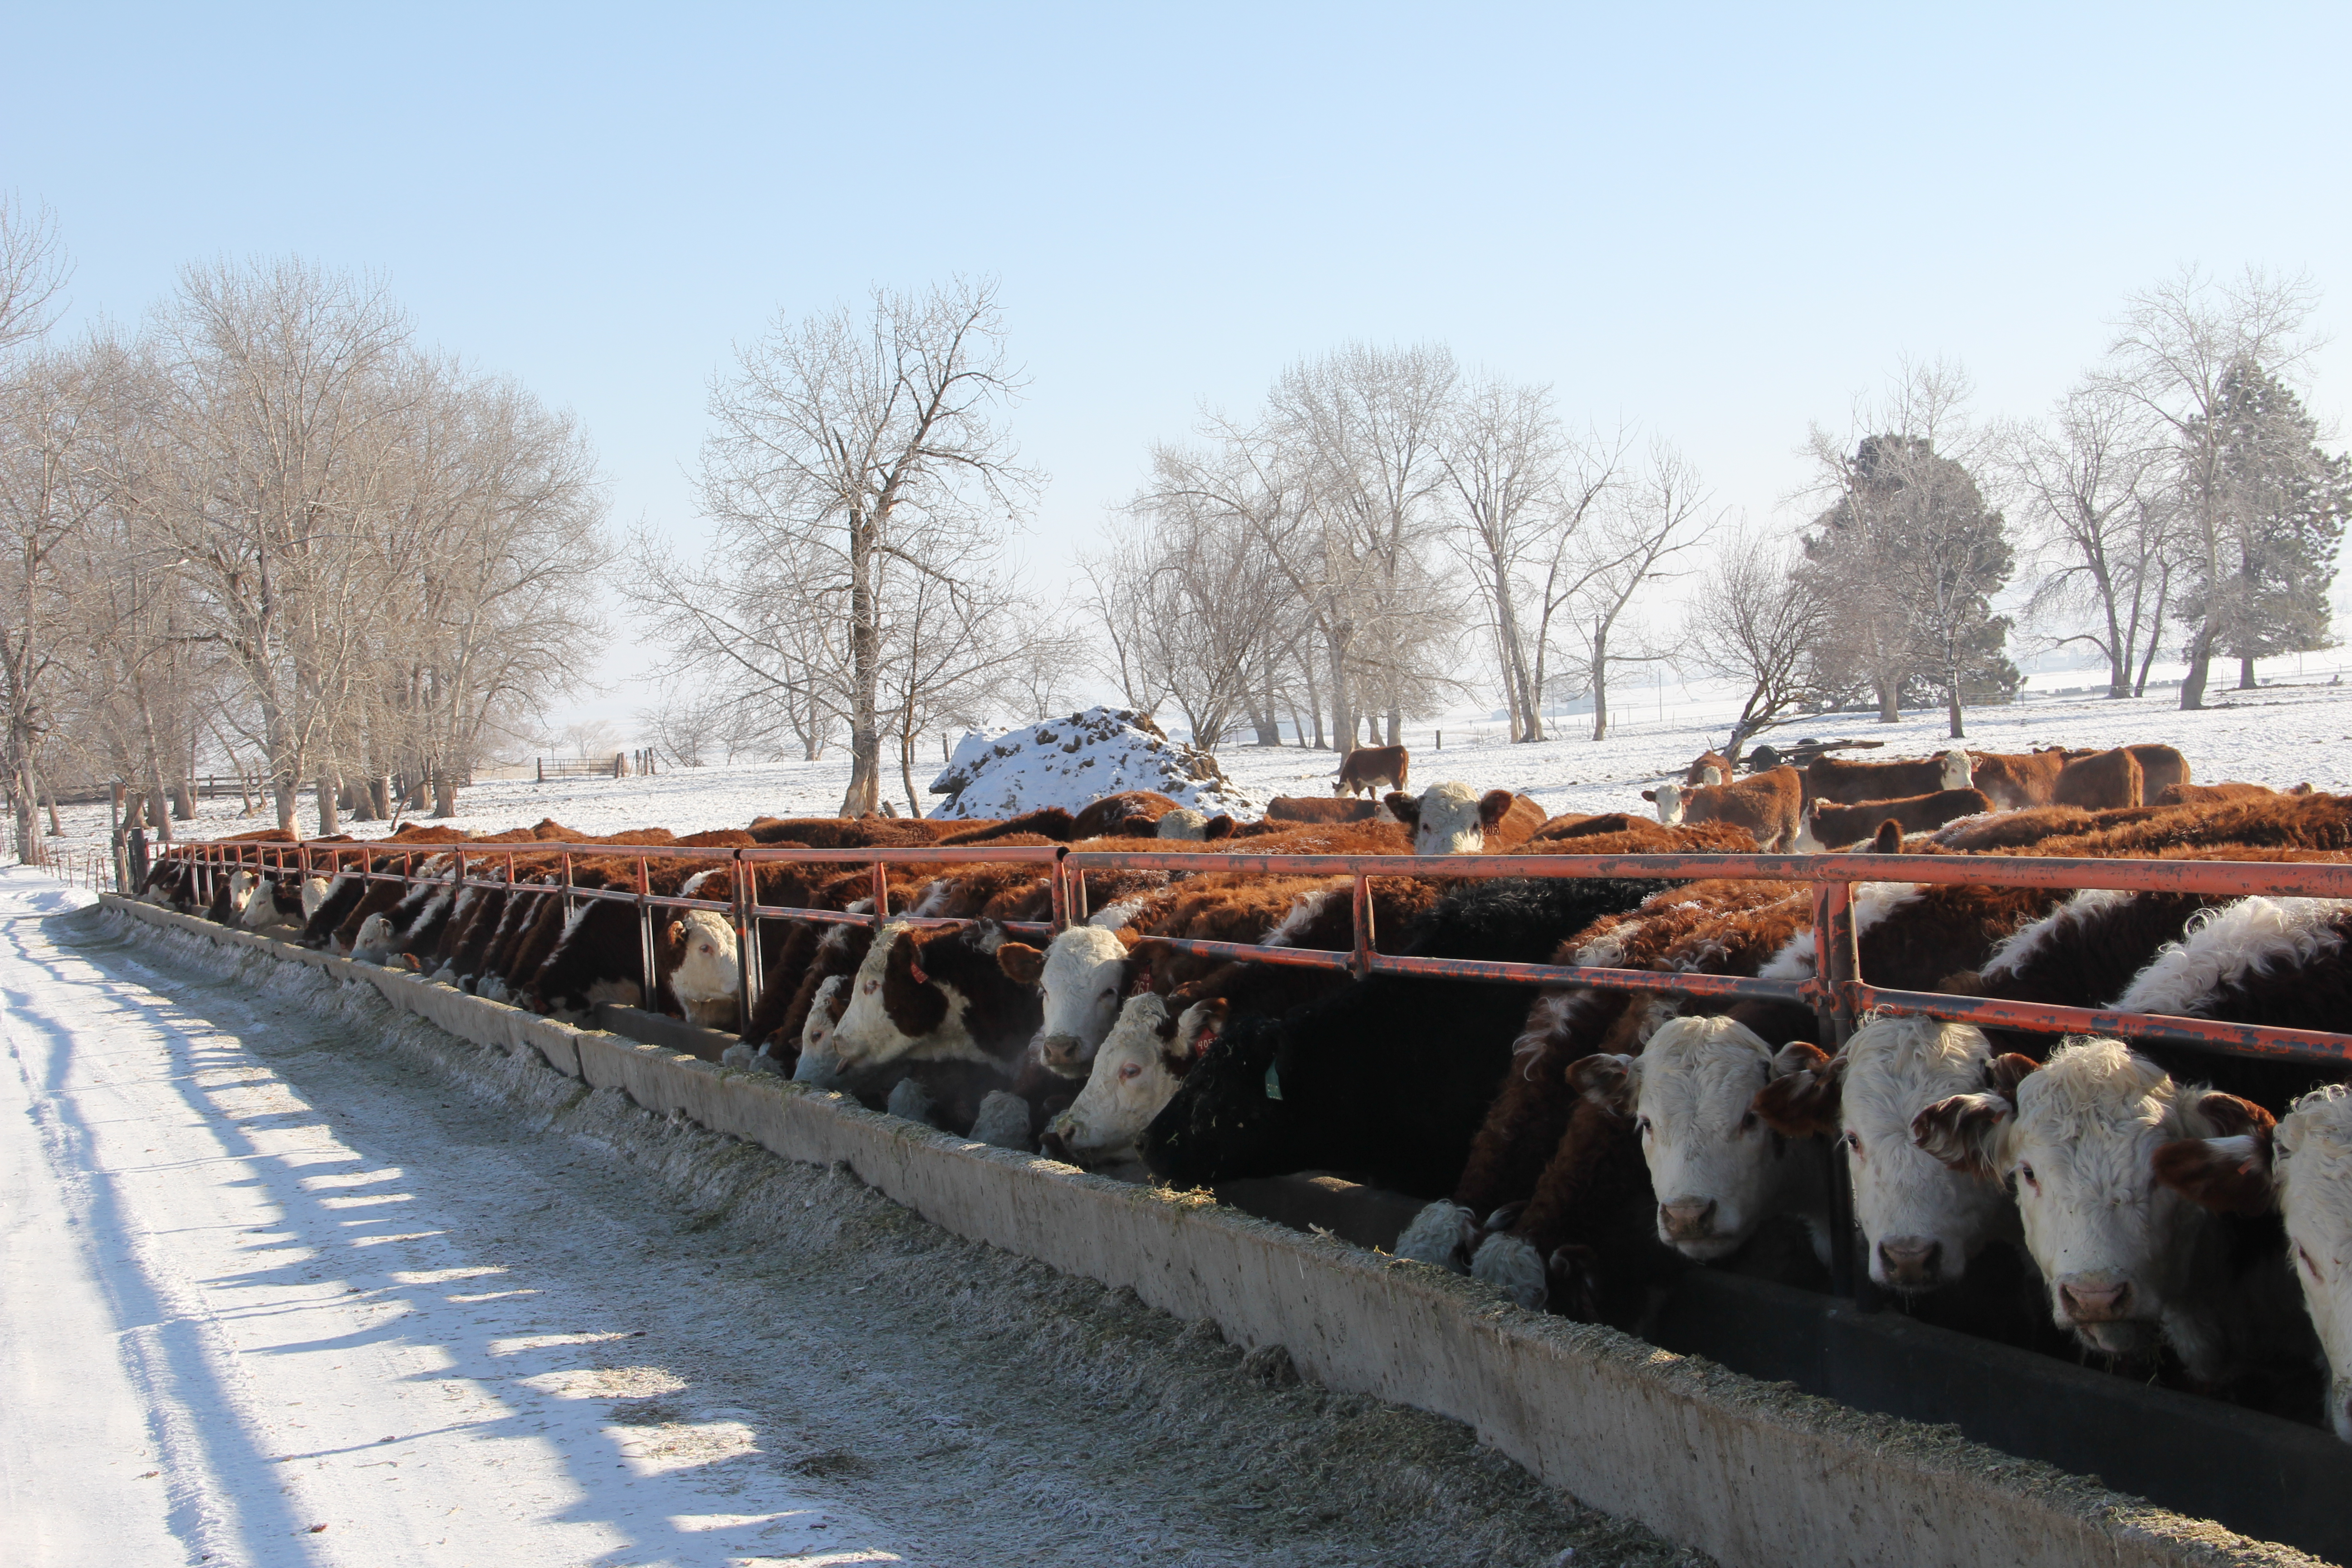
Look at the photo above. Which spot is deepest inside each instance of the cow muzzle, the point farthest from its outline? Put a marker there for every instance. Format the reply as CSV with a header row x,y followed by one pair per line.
x,y
2096,1299
1050,1145
1910,1262
1687,1219
1065,1054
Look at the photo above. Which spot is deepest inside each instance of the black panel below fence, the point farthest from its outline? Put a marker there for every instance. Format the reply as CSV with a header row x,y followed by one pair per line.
x,y
2259,1475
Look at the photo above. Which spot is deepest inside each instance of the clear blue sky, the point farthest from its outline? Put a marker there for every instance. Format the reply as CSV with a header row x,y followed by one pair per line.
x,y
1718,222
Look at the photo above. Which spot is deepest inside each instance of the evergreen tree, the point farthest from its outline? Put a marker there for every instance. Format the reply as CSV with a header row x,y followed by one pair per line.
x,y
2284,502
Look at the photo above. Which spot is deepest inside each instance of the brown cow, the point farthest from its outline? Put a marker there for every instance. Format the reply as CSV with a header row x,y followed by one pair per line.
x,y
1369,768
2105,781
1708,761
1766,805
1842,783
2160,767
1129,812
1309,808
2203,794
1828,825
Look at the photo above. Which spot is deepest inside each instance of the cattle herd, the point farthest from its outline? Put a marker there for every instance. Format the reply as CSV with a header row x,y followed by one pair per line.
x,y
2166,1212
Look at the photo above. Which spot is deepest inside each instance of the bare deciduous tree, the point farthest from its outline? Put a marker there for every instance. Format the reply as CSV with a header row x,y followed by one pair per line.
x,y
1755,622
859,465
1622,551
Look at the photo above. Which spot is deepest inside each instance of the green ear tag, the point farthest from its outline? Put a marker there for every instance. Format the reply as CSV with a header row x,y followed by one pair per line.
x,y
1273,1081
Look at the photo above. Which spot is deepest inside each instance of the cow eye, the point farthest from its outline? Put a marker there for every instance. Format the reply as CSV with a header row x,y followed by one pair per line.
x,y
1747,1122
2304,1255
1853,1143
1642,1125
1129,1071
2025,1173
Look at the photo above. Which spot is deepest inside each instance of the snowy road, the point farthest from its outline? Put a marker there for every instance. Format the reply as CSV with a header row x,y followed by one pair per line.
x,y
286,1278
232,1334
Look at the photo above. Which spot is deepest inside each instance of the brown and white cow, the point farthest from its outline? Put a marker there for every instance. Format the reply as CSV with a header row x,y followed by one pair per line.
x,y
1766,805
705,977
1135,1074
1828,825
936,997
1843,783
1368,769
1455,819
1718,1172
1921,1219
2303,1168
1307,808
2130,1264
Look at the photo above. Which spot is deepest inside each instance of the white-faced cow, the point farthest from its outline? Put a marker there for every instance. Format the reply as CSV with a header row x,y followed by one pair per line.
x,y
1455,819
1765,805
708,976
1719,1172
1135,1073
1922,1220
2130,1264
2303,1168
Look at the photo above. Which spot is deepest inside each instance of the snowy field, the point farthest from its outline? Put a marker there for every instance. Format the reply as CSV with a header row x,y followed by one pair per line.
x,y
2279,735
288,1278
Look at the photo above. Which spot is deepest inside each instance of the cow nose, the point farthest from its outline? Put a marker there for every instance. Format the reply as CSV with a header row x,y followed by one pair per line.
x,y
2095,1301
1911,1262
1689,1219
1063,1053
1051,1146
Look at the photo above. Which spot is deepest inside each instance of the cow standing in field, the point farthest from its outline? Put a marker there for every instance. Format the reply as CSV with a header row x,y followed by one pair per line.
x,y
1368,769
1455,819
1828,825
1765,805
1842,783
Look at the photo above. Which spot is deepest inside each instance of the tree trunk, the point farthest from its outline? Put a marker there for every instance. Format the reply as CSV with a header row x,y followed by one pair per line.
x,y
330,823
1396,727
2200,662
20,785
1952,703
184,801
2246,681
864,796
1889,710
445,793
1601,681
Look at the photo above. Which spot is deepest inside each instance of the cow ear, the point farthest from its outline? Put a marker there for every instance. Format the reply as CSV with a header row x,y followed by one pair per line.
x,y
1650,795
2232,1117
1218,827
1888,839
1022,964
1197,1028
1405,808
1491,808
675,935
2005,1072
1802,1099
1964,1132
2228,1176
1129,937
1606,1080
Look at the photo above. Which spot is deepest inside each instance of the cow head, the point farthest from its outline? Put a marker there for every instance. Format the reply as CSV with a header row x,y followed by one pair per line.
x,y
942,997
1718,1170
1449,818
241,883
2302,1167
2077,1139
373,943
1921,1219
1959,772
1668,797
1711,775
708,975
1136,1074
1081,975
817,1062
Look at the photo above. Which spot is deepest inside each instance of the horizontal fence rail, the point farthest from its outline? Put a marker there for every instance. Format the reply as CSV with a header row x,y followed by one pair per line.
x,y
1838,991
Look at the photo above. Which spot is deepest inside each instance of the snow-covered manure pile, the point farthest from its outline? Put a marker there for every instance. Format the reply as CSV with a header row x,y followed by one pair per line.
x,y
1071,762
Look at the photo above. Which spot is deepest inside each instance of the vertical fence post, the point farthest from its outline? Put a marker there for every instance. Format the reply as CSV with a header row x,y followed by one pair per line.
x,y
1359,961
1056,887
747,956
645,935
881,895
1834,966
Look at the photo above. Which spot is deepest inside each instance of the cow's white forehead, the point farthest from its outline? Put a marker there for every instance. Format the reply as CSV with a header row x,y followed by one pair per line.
x,y
1074,957
1449,816
1701,1072
2315,1142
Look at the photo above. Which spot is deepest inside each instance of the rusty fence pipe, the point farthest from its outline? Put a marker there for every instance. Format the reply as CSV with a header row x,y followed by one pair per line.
x,y
1361,961
645,934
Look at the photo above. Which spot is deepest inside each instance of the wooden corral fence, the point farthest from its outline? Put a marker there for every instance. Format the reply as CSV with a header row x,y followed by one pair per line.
x,y
2269,1477
619,765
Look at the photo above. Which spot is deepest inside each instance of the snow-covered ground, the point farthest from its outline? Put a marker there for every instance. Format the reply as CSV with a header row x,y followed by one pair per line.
x,y
2280,735
289,1278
